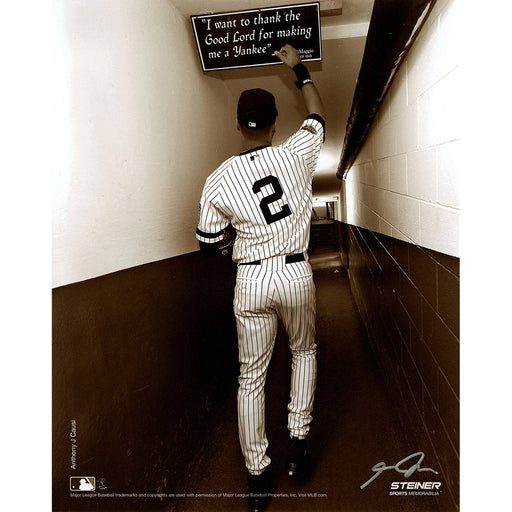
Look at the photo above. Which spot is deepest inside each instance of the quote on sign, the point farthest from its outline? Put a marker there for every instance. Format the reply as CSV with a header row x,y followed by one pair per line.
x,y
249,38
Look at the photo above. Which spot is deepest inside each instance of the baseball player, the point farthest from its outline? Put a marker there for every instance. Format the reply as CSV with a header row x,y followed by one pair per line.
x,y
265,195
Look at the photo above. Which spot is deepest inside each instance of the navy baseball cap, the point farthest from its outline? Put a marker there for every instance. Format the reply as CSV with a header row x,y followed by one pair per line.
x,y
256,108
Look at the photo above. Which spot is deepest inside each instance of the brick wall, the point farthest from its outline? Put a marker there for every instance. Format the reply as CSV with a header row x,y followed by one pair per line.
x,y
401,242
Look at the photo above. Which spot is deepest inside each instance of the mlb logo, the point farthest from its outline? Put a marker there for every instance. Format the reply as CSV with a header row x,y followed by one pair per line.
x,y
82,483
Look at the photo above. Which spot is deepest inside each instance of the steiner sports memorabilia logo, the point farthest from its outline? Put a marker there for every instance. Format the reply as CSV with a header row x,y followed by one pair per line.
x,y
407,488
415,489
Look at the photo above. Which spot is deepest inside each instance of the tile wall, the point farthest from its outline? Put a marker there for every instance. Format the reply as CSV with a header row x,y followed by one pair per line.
x,y
405,180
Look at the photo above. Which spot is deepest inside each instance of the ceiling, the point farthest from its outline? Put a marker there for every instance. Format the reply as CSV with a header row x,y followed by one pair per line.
x,y
344,25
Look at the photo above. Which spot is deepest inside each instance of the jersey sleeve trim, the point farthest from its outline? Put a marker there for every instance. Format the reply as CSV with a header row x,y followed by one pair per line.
x,y
320,119
210,238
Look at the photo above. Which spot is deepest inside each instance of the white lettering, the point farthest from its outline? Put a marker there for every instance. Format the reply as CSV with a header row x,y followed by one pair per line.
x,y
253,50
239,38
73,456
264,34
216,40
262,20
295,31
415,485
225,24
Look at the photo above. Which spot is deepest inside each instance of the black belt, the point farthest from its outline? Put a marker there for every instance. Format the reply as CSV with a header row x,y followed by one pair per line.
x,y
290,258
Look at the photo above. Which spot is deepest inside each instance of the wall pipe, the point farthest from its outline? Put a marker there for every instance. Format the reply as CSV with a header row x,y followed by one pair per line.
x,y
393,28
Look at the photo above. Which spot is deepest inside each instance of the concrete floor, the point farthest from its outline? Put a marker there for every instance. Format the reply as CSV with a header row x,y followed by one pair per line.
x,y
355,425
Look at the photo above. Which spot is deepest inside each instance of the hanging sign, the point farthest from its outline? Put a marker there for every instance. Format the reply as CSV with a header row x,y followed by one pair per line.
x,y
249,38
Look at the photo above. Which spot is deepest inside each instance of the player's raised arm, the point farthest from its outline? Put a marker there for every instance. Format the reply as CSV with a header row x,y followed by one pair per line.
x,y
289,55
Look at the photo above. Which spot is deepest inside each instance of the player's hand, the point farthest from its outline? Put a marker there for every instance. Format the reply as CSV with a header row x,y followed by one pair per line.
x,y
289,55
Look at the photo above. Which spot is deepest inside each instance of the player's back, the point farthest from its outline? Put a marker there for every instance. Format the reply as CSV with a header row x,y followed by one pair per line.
x,y
267,193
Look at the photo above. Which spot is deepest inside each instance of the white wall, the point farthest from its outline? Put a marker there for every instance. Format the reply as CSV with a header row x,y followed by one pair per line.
x,y
405,181
139,126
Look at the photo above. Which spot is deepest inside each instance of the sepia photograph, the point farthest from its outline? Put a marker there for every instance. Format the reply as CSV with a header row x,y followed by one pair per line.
x,y
256,256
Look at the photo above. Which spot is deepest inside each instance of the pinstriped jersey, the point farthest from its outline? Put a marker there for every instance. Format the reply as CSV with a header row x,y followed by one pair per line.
x,y
266,194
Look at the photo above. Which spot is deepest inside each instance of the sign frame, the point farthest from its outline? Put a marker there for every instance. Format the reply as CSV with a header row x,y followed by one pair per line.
x,y
195,19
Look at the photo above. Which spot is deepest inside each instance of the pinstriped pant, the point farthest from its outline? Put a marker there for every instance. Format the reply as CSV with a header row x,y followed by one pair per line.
x,y
263,293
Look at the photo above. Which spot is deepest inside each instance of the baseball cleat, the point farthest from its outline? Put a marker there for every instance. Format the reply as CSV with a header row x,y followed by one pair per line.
x,y
259,488
298,458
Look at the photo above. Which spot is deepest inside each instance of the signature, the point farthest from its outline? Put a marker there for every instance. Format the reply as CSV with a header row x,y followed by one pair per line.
x,y
407,472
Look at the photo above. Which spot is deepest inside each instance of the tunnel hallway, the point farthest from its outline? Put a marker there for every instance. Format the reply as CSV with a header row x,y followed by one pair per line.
x,y
355,423
144,345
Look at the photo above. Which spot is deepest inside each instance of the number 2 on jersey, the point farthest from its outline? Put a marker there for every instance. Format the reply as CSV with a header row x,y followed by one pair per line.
x,y
273,197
